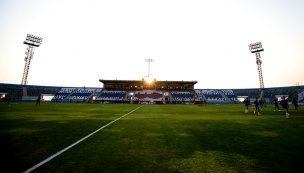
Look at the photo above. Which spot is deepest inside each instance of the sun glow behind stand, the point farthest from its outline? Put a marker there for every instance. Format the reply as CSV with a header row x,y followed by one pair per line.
x,y
149,79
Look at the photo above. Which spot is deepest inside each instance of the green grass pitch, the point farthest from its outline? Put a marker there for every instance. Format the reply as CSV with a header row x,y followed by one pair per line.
x,y
155,138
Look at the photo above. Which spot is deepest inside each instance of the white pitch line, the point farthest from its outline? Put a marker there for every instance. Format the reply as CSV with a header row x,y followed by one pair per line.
x,y
53,156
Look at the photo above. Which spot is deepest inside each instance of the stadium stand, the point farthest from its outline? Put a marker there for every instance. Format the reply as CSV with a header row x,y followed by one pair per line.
x,y
251,93
96,94
229,94
37,91
148,95
64,92
291,91
198,92
15,91
301,96
81,94
212,95
112,95
181,96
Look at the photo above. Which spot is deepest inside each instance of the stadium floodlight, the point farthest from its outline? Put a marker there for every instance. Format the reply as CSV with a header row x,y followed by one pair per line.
x,y
32,41
149,78
257,48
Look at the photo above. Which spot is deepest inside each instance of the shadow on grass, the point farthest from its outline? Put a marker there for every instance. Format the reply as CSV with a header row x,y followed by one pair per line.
x,y
27,142
155,140
188,146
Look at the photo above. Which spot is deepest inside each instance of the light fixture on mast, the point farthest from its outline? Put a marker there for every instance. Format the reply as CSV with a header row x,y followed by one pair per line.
x,y
257,48
149,60
149,78
32,42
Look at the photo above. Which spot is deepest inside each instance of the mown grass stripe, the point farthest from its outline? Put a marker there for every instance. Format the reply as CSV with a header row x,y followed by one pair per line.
x,y
58,153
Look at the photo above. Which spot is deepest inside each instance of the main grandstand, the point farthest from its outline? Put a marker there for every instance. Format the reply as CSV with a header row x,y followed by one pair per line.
x,y
141,91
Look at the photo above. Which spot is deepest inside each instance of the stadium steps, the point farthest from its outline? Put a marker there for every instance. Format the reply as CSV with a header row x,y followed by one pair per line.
x,y
24,91
204,96
227,98
70,94
126,96
262,93
171,99
164,98
300,95
194,94
57,91
295,92
234,92
131,100
99,93
91,95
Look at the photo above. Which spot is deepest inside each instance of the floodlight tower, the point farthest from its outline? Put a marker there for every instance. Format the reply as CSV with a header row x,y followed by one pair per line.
x,y
32,42
257,48
149,60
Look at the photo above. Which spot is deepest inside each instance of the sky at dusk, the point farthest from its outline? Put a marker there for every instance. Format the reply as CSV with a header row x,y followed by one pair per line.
x,y
207,41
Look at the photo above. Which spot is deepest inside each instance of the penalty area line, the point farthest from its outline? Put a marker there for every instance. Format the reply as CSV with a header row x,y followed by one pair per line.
x,y
53,156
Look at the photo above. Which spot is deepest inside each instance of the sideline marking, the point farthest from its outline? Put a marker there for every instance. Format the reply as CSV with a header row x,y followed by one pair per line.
x,y
53,156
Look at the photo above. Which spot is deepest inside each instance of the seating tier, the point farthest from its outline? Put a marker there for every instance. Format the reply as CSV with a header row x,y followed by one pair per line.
x,y
213,95
112,95
230,94
81,94
148,95
182,96
64,92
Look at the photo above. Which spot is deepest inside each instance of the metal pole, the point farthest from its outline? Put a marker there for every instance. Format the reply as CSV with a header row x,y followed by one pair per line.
x,y
27,59
259,63
148,60
149,69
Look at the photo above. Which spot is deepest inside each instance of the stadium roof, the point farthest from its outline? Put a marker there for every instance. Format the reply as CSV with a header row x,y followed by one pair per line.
x,y
142,82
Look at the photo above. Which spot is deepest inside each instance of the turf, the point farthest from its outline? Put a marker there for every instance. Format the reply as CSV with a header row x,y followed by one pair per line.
x,y
155,138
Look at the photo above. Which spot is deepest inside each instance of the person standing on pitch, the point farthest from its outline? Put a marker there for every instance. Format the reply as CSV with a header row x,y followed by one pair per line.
x,y
284,103
265,103
8,100
38,101
246,102
256,104
276,105
295,103
261,104
56,100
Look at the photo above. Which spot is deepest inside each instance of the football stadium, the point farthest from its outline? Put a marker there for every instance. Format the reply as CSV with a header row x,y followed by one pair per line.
x,y
57,120
142,126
